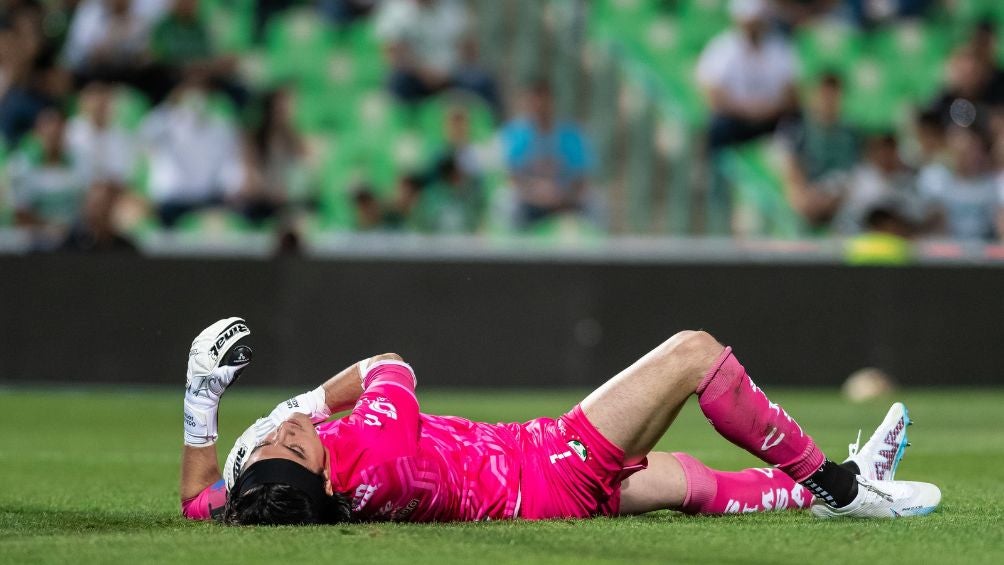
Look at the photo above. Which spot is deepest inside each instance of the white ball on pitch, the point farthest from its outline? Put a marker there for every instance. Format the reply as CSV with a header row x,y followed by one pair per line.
x,y
866,384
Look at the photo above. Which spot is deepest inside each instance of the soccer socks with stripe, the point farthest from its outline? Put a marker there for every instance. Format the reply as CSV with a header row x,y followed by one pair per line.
x,y
743,414
750,490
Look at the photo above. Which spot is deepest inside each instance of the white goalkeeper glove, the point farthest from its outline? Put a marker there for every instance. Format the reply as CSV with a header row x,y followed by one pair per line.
x,y
214,363
310,403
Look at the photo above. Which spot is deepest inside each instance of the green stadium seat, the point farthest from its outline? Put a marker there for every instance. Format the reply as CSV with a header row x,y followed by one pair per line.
x,y
913,56
968,12
872,101
828,46
433,112
676,78
370,68
662,36
377,117
758,192
298,44
323,110
626,20
230,23
702,20
129,107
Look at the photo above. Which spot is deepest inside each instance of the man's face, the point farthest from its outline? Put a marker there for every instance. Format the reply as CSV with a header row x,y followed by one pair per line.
x,y
539,104
966,71
828,101
457,127
967,150
119,7
49,128
186,8
296,440
96,102
753,27
98,205
884,154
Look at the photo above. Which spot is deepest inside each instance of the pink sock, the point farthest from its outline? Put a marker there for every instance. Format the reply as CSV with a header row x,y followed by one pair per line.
x,y
751,490
743,414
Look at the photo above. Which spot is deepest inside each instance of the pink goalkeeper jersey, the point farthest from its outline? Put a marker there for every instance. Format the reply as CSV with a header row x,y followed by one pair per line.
x,y
396,463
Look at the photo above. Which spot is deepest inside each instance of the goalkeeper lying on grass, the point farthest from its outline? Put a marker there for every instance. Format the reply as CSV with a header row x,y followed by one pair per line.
x,y
387,461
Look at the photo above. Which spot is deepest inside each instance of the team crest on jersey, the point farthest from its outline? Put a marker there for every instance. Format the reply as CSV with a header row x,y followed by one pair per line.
x,y
578,448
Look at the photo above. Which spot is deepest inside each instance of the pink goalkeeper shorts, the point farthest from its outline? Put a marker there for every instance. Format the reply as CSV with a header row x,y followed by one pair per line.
x,y
570,470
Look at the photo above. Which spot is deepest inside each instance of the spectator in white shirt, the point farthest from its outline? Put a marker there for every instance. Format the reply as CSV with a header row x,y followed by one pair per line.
x,y
194,155
881,182
46,186
963,193
109,40
424,41
748,77
103,150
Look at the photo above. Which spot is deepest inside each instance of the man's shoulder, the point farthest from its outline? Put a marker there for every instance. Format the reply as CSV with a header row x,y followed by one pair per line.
x,y
727,41
394,16
517,129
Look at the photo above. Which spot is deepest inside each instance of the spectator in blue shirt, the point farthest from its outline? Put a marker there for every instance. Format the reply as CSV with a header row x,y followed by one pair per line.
x,y
548,160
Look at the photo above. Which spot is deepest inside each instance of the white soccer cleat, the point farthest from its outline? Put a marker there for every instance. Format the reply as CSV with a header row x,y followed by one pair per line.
x,y
215,360
884,499
879,457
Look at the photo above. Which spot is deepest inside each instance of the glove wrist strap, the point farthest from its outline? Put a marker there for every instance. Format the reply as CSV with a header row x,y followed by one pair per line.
x,y
200,425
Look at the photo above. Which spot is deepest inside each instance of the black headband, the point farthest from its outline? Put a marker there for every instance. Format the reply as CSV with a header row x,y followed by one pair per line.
x,y
286,472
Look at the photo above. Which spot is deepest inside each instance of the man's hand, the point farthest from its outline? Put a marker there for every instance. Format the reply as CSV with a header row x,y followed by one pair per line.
x,y
321,402
311,403
214,363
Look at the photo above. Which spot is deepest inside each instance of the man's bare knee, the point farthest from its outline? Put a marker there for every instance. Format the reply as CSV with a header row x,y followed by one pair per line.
x,y
692,352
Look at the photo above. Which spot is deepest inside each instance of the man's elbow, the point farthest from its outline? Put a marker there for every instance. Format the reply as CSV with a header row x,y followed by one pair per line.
x,y
387,357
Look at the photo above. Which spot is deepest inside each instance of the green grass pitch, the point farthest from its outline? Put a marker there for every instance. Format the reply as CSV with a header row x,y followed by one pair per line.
x,y
92,477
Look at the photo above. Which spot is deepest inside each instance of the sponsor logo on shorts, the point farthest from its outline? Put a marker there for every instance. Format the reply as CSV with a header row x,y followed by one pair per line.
x,y
578,448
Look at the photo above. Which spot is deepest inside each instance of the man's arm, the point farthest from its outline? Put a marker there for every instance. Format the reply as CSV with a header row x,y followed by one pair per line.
x,y
215,361
343,390
200,469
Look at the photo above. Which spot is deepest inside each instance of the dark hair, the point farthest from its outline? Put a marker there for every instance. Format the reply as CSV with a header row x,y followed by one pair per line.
x,y
986,25
882,138
880,215
931,119
277,504
363,194
415,181
831,79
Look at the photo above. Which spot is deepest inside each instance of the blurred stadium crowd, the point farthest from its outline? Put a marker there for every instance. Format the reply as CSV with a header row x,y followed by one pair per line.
x,y
123,118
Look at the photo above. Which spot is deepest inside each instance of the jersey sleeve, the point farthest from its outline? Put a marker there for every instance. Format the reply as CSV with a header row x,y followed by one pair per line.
x,y
208,504
386,415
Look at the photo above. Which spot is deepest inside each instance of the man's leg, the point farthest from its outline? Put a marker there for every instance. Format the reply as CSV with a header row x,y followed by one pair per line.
x,y
636,407
678,481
